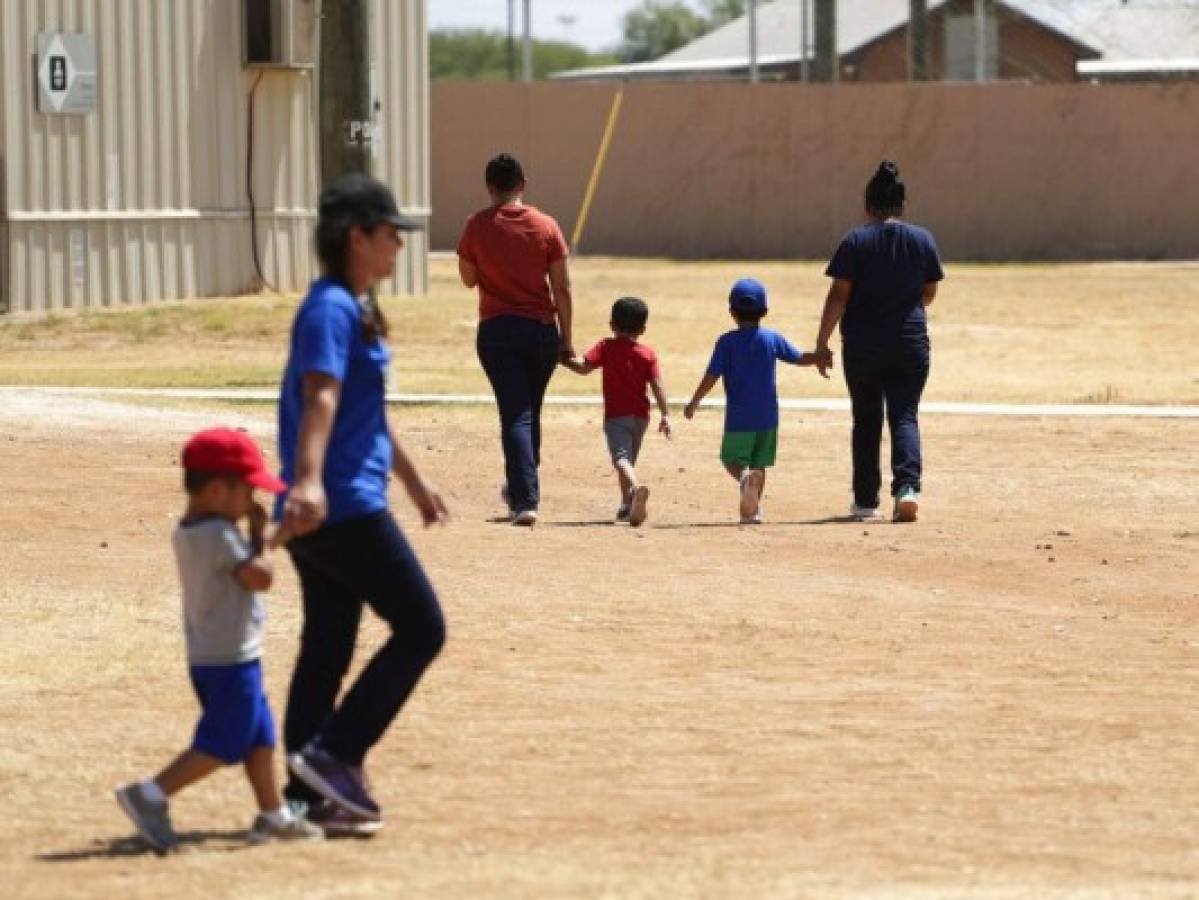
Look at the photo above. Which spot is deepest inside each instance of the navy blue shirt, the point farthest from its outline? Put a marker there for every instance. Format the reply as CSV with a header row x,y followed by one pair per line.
x,y
327,337
888,263
745,359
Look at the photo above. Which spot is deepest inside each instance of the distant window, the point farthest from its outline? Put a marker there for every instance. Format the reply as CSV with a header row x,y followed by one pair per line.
x,y
280,33
960,47
261,31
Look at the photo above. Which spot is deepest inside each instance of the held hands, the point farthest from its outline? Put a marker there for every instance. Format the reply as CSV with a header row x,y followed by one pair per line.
x,y
306,507
823,361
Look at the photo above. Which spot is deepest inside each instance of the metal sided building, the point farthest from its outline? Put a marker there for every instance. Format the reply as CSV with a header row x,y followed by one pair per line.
x,y
139,139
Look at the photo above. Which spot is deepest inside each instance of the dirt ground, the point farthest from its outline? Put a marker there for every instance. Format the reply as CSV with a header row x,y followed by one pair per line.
x,y
999,701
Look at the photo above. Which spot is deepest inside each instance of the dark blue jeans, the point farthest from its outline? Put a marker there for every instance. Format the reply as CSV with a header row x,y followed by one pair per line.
x,y
342,567
519,356
893,374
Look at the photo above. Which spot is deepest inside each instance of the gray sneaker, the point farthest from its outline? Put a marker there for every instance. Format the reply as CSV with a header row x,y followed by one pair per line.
x,y
152,820
296,829
864,513
526,517
752,482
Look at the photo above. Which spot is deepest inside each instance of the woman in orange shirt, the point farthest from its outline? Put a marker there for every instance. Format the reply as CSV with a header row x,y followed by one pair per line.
x,y
516,256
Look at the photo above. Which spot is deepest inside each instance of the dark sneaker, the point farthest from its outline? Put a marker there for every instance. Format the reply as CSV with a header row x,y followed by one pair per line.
x,y
755,519
638,508
334,780
907,504
337,821
297,828
153,820
622,514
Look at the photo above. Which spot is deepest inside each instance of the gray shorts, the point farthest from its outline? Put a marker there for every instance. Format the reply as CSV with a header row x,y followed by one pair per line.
x,y
624,434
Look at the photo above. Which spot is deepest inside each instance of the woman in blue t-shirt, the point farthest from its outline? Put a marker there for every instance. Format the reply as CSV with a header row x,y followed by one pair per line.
x,y
337,451
884,275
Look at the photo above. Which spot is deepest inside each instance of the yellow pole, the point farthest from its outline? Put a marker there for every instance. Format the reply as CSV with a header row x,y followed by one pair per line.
x,y
600,157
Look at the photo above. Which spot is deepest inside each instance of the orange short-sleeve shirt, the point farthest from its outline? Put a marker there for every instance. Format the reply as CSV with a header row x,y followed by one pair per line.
x,y
512,248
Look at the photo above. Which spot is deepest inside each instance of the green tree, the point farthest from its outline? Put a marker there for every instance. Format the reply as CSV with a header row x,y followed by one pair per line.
x,y
478,55
721,12
658,27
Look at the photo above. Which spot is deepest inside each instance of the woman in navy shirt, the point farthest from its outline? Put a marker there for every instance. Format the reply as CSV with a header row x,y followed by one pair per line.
x,y
338,450
884,273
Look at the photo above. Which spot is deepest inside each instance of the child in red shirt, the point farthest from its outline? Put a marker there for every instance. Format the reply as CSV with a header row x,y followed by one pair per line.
x,y
628,367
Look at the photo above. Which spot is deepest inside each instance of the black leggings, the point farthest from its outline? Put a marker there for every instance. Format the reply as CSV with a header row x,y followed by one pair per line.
x,y
343,566
891,378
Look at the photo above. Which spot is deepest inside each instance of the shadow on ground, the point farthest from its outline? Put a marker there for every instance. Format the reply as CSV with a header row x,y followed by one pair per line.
x,y
133,845
678,526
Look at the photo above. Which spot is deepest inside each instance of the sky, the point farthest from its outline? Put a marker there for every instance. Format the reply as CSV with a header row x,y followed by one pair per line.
x,y
593,23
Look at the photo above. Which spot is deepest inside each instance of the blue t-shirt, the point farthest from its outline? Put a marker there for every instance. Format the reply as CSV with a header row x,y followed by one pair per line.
x,y
327,337
889,263
745,359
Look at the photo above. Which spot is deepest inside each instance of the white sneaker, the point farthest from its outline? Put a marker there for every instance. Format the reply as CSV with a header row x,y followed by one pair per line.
x,y
751,492
525,517
864,513
295,828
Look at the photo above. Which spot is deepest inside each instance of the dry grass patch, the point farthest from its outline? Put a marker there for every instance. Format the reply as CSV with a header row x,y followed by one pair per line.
x,y
1076,333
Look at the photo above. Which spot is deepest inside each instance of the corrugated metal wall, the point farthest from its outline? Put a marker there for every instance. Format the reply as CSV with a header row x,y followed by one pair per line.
x,y
145,197
401,50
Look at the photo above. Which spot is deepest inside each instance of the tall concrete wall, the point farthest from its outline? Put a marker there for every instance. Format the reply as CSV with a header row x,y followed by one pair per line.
x,y
999,172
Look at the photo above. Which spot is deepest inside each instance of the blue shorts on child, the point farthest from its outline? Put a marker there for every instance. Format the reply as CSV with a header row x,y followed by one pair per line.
x,y
237,717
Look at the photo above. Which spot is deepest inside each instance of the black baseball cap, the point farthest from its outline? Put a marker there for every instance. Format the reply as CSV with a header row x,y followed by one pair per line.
x,y
364,201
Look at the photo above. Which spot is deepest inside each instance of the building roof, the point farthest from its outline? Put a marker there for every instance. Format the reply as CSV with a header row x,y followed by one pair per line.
x,y
1136,69
1138,30
1106,29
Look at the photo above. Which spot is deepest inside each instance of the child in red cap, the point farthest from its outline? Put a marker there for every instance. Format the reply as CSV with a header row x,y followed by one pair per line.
x,y
221,574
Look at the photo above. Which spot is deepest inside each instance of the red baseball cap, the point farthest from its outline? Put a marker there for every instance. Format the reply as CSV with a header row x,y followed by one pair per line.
x,y
227,450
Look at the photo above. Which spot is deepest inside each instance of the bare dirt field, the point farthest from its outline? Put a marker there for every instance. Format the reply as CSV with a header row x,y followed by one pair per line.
x,y
999,701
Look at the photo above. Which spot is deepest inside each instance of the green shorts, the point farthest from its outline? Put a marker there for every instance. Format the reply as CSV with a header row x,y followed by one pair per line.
x,y
750,449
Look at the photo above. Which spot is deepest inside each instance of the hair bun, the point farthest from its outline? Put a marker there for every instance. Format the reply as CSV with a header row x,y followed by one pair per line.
x,y
888,170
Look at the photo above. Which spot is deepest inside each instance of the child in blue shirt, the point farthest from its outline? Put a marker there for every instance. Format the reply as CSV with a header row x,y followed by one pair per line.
x,y
745,359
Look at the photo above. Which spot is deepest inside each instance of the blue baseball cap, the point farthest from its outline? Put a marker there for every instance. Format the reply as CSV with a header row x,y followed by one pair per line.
x,y
748,295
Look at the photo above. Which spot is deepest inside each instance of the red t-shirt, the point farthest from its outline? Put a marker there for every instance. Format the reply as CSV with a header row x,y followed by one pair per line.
x,y
512,247
628,367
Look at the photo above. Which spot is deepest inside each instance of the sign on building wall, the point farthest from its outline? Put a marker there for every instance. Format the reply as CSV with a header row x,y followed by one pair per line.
x,y
66,73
